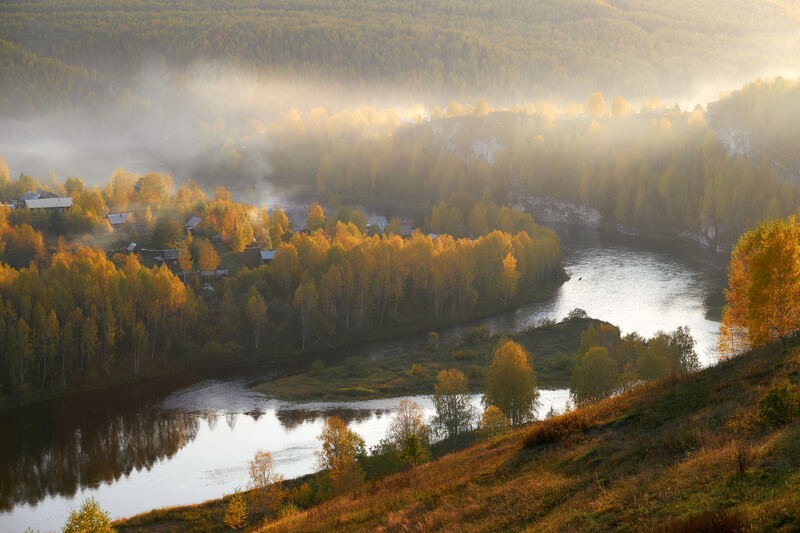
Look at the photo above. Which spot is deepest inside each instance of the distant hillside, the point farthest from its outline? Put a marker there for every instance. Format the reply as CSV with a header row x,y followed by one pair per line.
x,y
454,48
29,83
671,454
762,121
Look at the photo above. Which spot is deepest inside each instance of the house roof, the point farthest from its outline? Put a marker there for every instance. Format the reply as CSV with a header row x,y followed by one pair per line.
x,y
49,203
116,219
267,255
194,221
31,195
378,221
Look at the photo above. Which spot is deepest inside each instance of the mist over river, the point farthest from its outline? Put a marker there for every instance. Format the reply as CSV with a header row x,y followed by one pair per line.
x,y
186,439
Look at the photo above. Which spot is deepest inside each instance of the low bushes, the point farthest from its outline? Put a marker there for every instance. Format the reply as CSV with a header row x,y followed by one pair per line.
x,y
557,429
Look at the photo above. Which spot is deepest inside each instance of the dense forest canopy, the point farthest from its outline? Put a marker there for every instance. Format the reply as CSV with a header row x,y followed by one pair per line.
x,y
507,49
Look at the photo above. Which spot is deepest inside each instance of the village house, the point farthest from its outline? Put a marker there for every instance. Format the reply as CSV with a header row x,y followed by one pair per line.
x,y
118,219
376,225
267,256
192,223
49,204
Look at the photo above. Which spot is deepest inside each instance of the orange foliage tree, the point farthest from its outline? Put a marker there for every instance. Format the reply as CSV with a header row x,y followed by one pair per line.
x,y
763,298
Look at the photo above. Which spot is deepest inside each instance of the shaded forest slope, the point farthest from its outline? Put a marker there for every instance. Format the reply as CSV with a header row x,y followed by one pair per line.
x,y
503,49
699,450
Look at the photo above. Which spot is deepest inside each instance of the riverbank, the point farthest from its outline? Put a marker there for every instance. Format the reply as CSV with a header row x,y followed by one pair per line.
x,y
553,347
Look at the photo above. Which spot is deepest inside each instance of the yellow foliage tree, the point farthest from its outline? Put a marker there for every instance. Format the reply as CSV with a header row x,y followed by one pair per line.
x,y
341,449
236,513
511,383
763,299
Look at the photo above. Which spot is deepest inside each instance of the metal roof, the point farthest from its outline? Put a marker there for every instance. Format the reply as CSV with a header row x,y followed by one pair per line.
x,y
49,203
118,218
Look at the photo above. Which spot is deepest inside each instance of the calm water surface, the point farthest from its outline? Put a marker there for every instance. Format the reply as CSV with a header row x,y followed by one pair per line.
x,y
179,440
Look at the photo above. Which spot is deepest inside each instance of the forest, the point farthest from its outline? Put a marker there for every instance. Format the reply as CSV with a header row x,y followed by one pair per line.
x,y
660,171
74,314
507,50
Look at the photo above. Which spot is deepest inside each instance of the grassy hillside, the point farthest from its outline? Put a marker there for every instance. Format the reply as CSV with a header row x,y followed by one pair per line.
x,y
674,455
668,451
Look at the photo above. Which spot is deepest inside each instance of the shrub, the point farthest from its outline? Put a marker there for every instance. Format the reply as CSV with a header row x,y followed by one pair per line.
x,y
779,405
357,392
462,355
433,340
236,512
317,366
728,520
476,333
90,517
475,371
557,429
744,458
493,422
418,371
355,367
288,510
576,314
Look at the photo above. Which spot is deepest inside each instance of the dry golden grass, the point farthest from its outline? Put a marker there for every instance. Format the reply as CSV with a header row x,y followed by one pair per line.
x,y
660,454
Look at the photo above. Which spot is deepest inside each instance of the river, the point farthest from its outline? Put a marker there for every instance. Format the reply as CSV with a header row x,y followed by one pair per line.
x,y
188,438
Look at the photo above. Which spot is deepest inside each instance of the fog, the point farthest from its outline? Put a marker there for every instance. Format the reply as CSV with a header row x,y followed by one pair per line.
x,y
181,125
214,124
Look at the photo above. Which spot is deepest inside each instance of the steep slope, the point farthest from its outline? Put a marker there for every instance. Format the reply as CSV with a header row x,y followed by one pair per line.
x,y
678,454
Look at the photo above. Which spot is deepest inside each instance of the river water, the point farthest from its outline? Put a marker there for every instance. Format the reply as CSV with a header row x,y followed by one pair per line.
x,y
187,439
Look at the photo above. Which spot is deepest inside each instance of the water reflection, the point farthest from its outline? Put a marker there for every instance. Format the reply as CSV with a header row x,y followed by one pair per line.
x,y
291,418
175,457
47,452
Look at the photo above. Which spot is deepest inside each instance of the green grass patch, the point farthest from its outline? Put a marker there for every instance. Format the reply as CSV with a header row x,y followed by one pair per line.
x,y
414,372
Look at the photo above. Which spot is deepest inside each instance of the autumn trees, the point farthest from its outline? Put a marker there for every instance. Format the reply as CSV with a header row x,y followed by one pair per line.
x,y
511,383
90,517
341,450
340,283
607,362
763,298
83,316
451,399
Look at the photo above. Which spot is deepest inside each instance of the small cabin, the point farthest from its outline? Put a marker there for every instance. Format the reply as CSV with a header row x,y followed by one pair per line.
x,y
118,219
267,256
192,223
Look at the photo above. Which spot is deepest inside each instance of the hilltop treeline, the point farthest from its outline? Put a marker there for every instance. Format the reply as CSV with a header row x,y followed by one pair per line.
x,y
762,120
660,171
71,315
454,48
